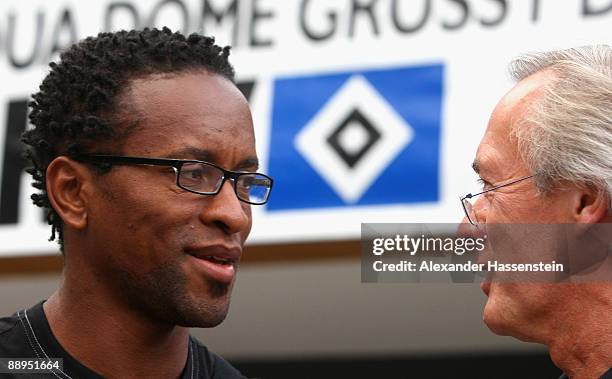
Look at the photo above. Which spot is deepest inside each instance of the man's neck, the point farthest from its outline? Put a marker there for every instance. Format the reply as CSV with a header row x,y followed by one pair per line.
x,y
108,337
581,345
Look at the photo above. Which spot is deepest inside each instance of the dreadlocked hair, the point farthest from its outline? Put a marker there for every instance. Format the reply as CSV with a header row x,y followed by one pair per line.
x,y
73,109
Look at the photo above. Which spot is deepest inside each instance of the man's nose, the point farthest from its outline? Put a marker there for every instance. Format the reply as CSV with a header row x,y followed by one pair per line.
x,y
227,212
480,209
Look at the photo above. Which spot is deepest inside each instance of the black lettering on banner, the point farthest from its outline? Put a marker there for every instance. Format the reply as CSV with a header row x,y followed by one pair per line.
x,y
65,24
13,164
116,6
589,10
465,12
331,16
11,42
403,27
246,88
503,10
256,16
231,11
367,9
535,10
182,7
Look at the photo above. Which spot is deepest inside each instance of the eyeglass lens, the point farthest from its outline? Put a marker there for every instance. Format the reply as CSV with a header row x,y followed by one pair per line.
x,y
469,211
200,177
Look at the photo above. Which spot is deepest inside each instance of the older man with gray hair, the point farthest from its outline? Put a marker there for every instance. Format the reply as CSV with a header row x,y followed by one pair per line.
x,y
546,158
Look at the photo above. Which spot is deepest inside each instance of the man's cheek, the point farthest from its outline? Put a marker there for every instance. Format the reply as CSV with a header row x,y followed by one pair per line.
x,y
247,231
506,209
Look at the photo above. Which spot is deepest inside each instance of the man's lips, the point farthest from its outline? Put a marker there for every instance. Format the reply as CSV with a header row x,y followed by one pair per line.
x,y
485,286
219,262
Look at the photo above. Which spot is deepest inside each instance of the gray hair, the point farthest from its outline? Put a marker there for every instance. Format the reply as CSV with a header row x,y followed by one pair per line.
x,y
567,132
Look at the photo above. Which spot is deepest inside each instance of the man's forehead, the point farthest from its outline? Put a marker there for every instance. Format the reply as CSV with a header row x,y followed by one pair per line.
x,y
192,115
211,155
194,91
187,96
513,106
527,89
499,145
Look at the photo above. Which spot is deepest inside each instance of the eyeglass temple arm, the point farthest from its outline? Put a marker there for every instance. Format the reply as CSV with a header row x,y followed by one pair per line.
x,y
469,195
121,160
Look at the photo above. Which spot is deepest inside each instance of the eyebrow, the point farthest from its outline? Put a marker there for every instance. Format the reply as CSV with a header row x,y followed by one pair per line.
x,y
191,152
476,166
248,163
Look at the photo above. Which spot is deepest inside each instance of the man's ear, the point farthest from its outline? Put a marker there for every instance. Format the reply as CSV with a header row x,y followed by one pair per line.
x,y
590,204
66,184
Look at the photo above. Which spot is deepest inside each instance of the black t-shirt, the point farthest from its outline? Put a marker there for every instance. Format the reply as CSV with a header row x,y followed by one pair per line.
x,y
27,334
606,375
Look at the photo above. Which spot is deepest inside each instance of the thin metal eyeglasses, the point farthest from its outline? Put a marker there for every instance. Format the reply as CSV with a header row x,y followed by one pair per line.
x,y
468,207
203,178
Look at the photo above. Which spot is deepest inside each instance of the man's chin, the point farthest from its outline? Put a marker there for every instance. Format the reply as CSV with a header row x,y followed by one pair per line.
x,y
492,320
494,324
202,323
204,307
497,322
203,316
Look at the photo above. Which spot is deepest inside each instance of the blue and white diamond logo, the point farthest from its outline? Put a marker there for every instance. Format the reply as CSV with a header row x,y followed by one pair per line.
x,y
369,137
353,138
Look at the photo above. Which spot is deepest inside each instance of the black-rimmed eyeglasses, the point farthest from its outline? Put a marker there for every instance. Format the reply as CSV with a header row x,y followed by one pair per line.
x,y
199,177
468,206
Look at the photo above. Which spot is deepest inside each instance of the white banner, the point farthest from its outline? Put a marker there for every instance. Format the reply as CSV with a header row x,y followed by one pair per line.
x,y
365,110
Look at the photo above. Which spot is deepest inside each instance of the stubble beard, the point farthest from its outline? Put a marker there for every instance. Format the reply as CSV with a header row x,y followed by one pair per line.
x,y
163,294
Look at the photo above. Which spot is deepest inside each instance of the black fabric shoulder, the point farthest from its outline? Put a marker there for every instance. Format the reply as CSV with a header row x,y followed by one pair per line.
x,y
13,343
222,369
27,334
606,375
219,367
8,323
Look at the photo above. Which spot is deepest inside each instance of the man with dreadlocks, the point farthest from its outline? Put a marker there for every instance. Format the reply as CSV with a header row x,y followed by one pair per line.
x,y
143,152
